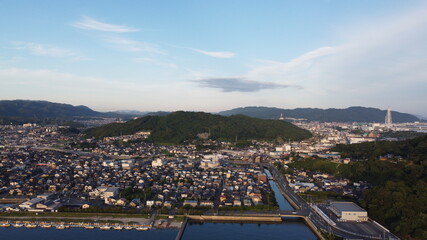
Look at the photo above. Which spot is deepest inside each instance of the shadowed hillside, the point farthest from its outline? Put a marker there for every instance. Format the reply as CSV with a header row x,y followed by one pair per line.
x,y
178,127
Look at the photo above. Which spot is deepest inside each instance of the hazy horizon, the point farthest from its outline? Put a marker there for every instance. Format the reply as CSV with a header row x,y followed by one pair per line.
x,y
195,110
216,56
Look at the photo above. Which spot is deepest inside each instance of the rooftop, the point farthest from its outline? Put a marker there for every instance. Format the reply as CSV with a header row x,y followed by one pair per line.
x,y
347,206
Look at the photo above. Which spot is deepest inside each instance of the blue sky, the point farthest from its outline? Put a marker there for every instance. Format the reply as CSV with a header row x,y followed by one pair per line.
x,y
216,55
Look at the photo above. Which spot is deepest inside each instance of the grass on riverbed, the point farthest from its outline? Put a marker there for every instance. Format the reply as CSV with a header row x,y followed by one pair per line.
x,y
157,217
323,196
179,218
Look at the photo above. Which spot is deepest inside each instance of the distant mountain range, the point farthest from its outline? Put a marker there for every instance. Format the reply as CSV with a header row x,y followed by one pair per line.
x,y
28,109
351,114
158,113
131,112
178,127
32,111
43,109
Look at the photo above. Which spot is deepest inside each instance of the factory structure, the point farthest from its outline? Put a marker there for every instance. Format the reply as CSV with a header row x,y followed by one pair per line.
x,y
349,211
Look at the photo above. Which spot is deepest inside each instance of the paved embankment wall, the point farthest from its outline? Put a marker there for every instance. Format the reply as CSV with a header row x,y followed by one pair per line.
x,y
182,229
314,228
224,219
290,200
278,178
235,218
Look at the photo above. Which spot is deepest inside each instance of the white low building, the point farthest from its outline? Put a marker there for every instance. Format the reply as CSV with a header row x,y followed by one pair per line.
x,y
104,192
98,192
127,163
349,211
111,192
30,203
157,162
284,148
206,163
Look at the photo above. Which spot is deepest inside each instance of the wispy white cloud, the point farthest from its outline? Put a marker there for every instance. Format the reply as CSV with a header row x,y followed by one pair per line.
x,y
276,72
44,50
47,78
88,23
130,45
298,65
106,93
155,62
124,44
12,60
215,54
59,86
382,63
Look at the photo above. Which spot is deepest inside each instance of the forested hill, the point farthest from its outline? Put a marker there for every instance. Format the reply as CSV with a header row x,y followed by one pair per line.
x,y
400,196
180,126
413,149
351,114
42,109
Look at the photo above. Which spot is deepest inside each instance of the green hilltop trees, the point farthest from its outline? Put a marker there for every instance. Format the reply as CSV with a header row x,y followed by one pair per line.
x,y
399,199
179,127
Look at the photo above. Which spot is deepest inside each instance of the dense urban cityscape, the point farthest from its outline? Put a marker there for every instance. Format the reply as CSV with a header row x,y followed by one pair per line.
x,y
58,169
192,120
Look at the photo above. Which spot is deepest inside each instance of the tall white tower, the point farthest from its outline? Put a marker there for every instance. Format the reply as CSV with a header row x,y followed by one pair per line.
x,y
281,117
388,120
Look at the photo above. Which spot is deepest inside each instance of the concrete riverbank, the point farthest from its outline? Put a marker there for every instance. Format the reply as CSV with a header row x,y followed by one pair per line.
x,y
236,218
181,230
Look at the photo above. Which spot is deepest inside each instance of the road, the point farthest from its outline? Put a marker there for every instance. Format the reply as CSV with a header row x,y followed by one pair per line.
x,y
347,230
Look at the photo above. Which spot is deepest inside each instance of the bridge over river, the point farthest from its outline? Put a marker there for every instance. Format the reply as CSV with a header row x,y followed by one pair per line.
x,y
298,214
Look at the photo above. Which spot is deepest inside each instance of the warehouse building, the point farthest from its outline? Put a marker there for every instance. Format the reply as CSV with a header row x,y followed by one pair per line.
x,y
348,211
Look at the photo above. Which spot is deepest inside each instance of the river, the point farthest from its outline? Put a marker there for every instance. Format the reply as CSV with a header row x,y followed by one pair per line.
x,y
283,203
83,234
290,230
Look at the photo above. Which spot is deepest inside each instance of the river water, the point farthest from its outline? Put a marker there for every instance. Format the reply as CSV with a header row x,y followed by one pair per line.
x,y
83,234
288,229
283,203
